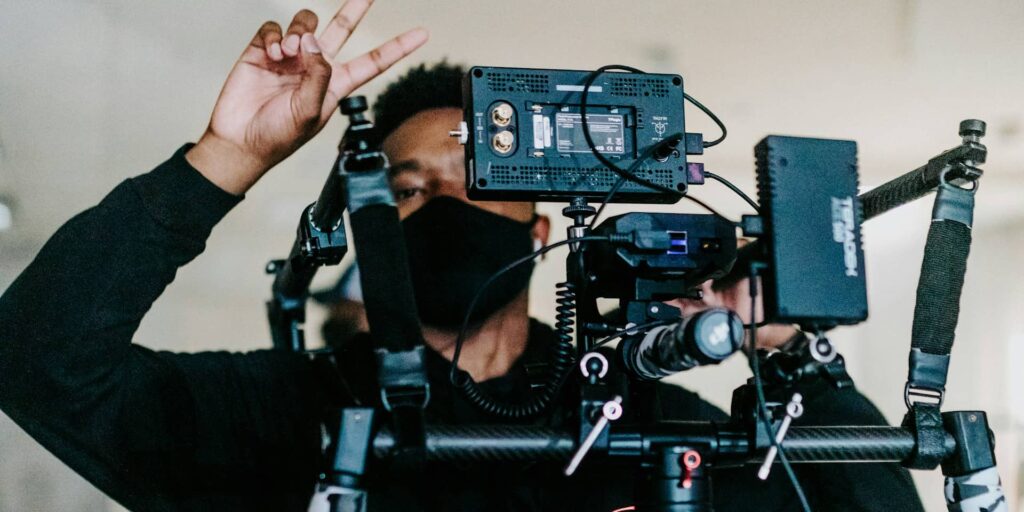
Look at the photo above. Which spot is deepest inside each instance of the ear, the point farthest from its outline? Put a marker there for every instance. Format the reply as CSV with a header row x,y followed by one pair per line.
x,y
541,229
737,298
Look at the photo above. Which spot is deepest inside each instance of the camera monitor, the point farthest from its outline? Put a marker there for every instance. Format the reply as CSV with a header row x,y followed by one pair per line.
x,y
524,134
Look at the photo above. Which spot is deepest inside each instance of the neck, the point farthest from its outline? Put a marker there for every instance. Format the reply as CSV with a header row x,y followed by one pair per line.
x,y
490,348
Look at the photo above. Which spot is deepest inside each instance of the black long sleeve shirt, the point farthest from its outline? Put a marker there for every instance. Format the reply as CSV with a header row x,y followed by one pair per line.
x,y
228,431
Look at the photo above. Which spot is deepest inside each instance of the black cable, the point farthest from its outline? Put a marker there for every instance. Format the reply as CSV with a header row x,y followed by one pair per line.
x,y
688,197
721,125
711,210
590,140
618,185
630,330
562,351
627,174
762,408
735,189
460,340
607,199
622,179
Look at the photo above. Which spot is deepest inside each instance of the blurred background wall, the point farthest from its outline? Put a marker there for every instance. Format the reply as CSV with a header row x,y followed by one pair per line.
x,y
92,92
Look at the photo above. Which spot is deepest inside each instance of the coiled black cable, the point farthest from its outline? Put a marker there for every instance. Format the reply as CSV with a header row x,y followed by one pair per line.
x,y
562,359
563,356
565,313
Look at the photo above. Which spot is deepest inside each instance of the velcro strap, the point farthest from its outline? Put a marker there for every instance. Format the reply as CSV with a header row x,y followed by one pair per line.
x,y
928,371
925,421
404,393
953,203
401,369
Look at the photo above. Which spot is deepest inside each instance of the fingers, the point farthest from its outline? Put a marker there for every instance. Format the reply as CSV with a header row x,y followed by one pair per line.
x,y
304,22
308,100
268,38
341,26
360,70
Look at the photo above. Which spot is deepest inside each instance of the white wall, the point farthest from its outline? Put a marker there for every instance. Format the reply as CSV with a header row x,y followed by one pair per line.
x,y
93,92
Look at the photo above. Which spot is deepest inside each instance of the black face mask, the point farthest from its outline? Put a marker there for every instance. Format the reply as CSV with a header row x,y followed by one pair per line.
x,y
453,248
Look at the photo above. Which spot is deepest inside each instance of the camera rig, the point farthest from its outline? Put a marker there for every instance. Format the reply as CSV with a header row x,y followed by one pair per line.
x,y
534,123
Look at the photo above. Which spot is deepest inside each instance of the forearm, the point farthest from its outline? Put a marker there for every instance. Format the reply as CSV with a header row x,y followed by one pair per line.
x,y
73,311
226,164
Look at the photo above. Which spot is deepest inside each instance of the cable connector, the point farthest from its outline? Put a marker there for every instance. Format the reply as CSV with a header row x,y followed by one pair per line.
x,y
752,225
644,240
666,148
695,173
694,143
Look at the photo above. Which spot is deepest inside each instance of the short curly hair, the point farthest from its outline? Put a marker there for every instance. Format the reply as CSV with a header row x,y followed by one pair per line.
x,y
423,87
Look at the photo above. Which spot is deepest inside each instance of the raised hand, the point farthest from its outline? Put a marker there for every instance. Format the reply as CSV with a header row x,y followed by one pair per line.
x,y
283,90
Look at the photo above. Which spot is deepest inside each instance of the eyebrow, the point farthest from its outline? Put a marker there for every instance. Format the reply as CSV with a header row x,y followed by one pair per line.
x,y
404,166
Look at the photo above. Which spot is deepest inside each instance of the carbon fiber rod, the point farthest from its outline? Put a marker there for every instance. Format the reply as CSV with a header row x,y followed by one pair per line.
x,y
503,443
851,444
960,163
495,443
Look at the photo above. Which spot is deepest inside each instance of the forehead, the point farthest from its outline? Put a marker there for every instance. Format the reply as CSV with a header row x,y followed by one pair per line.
x,y
424,132
426,159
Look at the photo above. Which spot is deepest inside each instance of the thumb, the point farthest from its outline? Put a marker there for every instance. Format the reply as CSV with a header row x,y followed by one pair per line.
x,y
309,98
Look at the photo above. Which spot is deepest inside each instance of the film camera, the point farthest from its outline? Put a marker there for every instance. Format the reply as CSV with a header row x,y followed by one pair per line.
x,y
576,137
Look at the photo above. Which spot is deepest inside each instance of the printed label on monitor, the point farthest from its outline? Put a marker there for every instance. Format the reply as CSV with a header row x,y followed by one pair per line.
x,y
844,231
606,130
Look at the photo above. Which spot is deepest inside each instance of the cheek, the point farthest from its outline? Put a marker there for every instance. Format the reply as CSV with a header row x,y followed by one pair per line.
x,y
681,304
521,212
409,206
688,307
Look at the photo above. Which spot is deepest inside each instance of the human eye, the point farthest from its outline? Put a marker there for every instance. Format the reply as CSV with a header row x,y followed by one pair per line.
x,y
406,193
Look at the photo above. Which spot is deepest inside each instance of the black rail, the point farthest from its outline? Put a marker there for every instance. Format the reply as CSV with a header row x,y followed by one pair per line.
x,y
503,443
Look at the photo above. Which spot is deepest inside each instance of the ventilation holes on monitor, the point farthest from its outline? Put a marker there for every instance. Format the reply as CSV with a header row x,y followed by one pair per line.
x,y
518,82
598,177
633,87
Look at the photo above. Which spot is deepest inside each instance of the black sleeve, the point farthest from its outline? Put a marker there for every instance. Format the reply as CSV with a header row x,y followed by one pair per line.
x,y
153,430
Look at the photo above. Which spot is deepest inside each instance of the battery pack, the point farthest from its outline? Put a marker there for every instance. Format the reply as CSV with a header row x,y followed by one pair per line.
x,y
808,193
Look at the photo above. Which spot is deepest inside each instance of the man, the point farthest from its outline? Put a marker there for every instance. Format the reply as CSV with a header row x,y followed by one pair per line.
x,y
218,431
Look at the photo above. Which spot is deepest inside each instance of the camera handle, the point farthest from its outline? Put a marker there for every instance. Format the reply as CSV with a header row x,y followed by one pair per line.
x,y
358,183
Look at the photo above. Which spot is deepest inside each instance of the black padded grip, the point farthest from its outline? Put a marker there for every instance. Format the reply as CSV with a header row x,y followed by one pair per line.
x,y
938,291
384,271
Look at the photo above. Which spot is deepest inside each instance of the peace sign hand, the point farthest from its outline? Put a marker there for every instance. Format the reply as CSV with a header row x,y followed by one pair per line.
x,y
283,90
